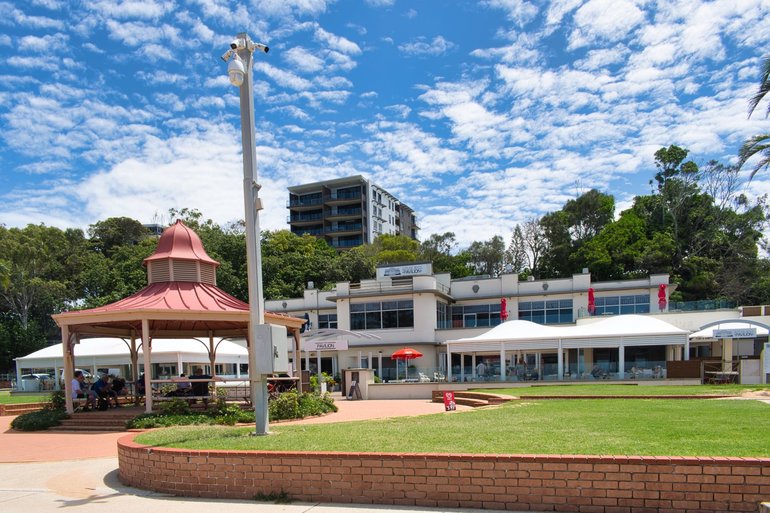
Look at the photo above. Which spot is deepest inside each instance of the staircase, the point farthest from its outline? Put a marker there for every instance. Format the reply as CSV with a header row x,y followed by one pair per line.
x,y
474,399
110,420
20,408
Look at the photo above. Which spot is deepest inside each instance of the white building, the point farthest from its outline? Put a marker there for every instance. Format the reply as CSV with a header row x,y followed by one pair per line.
x,y
409,306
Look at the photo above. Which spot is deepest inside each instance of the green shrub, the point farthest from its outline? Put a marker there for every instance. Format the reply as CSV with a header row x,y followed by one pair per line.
x,y
38,420
58,400
154,420
176,406
285,406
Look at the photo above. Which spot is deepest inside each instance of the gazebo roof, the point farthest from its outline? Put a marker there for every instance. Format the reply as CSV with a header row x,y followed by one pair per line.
x,y
174,309
180,243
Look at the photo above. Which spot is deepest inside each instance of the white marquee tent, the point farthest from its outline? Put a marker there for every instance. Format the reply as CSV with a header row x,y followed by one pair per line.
x,y
93,353
618,331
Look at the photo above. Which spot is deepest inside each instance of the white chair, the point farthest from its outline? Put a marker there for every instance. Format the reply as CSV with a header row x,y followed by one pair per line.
x,y
424,378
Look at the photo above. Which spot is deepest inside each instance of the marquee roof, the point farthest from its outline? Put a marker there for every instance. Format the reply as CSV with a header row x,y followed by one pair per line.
x,y
708,333
115,351
625,330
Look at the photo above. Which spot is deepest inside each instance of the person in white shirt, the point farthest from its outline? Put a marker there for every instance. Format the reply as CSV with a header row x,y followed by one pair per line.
x,y
80,390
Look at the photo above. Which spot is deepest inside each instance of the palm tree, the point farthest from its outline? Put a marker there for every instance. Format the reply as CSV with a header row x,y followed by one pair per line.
x,y
759,144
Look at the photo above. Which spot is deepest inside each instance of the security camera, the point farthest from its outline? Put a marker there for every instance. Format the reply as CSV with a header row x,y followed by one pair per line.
x,y
261,47
226,56
237,43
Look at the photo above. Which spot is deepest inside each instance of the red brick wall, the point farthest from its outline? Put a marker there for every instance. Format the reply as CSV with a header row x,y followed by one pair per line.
x,y
589,484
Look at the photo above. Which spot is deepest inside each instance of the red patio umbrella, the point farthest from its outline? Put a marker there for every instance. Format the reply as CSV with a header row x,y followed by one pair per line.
x,y
591,301
405,354
503,309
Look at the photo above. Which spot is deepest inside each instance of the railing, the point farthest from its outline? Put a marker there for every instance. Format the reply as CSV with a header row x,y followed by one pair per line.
x,y
336,212
306,217
707,304
344,196
345,228
347,243
304,202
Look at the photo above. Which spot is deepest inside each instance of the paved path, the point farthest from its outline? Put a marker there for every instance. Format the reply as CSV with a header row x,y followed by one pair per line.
x,y
43,471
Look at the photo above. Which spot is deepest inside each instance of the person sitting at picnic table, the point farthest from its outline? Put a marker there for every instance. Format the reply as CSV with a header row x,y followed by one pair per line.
x,y
597,372
104,392
183,387
201,388
80,391
119,386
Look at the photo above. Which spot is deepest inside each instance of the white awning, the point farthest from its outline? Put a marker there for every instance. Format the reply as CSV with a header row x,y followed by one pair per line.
x,y
625,330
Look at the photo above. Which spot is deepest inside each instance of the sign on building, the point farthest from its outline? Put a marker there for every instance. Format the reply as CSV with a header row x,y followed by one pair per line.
x,y
736,333
325,345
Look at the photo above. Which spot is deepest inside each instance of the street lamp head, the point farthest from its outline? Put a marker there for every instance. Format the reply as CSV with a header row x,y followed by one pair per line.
x,y
236,71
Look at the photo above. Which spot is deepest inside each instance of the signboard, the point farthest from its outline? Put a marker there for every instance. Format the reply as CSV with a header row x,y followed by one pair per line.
x,y
325,345
399,271
449,401
736,333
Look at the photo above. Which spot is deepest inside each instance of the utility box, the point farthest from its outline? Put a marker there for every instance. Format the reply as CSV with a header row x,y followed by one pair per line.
x,y
271,350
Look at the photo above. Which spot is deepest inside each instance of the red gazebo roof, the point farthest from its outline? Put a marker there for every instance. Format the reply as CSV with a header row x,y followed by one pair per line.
x,y
180,243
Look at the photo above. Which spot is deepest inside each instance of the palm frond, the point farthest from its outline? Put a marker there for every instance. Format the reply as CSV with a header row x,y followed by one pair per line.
x,y
764,88
757,145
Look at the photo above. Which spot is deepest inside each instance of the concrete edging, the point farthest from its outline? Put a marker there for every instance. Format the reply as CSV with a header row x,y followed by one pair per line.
x,y
600,484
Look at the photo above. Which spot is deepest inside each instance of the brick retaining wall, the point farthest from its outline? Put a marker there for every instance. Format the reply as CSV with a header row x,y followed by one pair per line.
x,y
590,484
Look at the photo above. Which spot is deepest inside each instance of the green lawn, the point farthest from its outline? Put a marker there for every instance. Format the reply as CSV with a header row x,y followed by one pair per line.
x,y
607,389
7,398
584,426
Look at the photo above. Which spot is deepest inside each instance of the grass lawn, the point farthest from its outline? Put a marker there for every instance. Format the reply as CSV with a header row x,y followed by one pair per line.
x,y
7,398
607,389
641,427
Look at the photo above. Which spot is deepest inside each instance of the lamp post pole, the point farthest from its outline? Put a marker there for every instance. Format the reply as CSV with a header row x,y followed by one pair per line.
x,y
253,250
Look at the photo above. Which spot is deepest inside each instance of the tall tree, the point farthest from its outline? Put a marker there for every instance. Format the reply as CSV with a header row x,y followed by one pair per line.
x,y
115,232
488,257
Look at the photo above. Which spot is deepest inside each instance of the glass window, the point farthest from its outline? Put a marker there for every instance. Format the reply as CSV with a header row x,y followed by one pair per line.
x,y
384,315
327,321
472,316
552,311
613,305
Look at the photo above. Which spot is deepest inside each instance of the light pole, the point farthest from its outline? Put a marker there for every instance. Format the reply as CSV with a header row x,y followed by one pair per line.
x,y
241,55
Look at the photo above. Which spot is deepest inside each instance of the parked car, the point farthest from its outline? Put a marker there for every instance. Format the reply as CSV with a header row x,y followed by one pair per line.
x,y
36,382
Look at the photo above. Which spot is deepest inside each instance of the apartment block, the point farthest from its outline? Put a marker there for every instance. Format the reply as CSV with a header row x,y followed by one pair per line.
x,y
348,212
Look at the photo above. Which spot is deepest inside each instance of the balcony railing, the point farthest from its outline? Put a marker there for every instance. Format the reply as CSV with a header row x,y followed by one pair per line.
x,y
707,304
304,218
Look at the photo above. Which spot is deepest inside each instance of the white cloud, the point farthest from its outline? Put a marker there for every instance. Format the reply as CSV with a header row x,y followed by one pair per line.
x,y
337,43
122,9
609,20
283,78
520,11
421,47
303,60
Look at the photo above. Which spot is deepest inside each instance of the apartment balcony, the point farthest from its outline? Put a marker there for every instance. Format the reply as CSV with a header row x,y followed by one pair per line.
x,y
304,219
300,204
315,232
346,229
346,244
343,198
341,214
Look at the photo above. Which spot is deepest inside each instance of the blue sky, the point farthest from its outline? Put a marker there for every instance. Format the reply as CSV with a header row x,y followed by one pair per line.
x,y
477,114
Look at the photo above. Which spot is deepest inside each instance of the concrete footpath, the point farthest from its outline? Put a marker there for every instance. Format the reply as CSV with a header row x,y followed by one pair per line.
x,y
43,471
